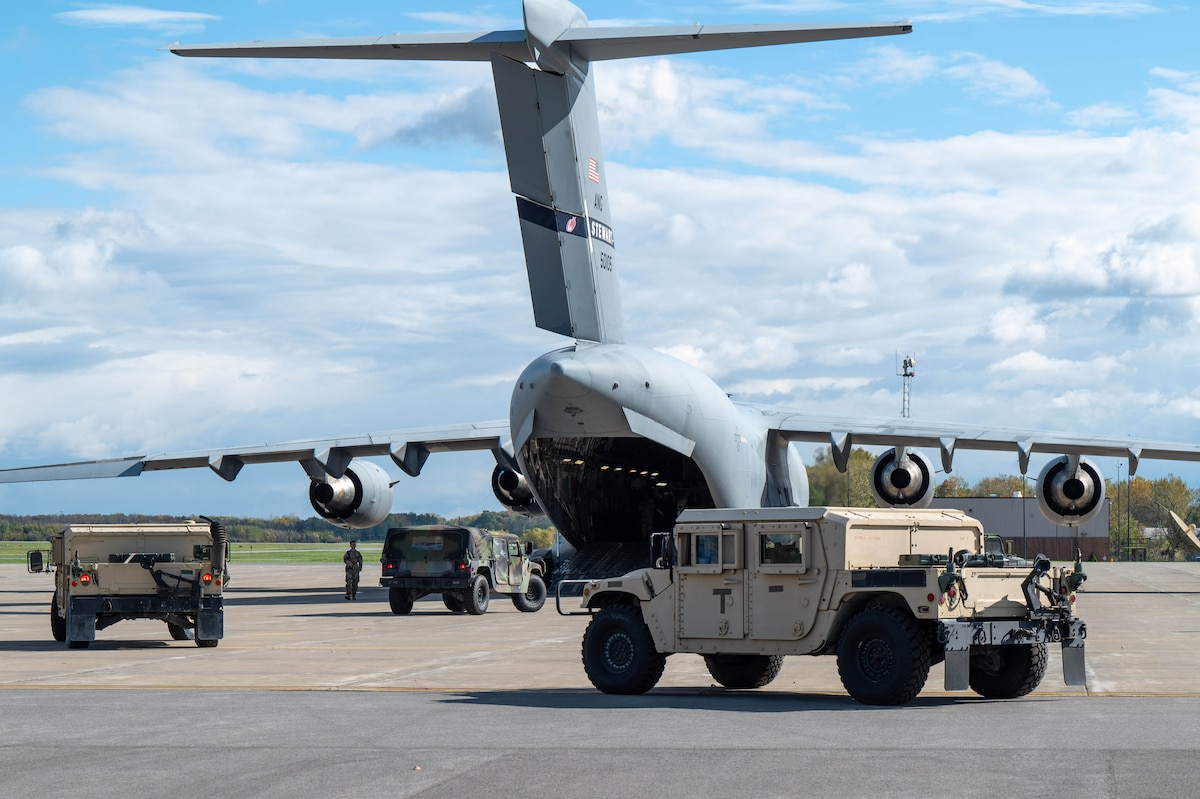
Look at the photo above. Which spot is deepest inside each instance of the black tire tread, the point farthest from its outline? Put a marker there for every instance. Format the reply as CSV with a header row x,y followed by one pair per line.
x,y
744,671
909,645
1022,670
647,664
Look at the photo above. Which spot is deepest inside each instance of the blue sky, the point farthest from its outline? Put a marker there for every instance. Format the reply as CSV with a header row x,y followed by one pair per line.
x,y
198,253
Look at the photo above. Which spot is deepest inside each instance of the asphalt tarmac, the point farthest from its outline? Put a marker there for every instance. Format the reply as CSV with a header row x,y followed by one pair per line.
x,y
311,695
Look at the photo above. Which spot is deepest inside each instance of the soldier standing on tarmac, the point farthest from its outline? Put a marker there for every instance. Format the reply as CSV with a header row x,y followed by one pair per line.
x,y
353,561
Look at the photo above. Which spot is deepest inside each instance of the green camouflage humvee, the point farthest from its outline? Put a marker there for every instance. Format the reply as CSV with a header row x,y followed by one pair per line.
x,y
463,564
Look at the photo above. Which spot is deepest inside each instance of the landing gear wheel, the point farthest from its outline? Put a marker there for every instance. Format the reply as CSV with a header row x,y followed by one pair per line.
x,y
1006,672
58,625
207,643
618,652
532,600
883,657
78,644
478,595
400,601
179,633
744,671
453,603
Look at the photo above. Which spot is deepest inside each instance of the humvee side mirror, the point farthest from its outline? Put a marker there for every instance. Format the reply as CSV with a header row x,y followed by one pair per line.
x,y
37,563
528,548
662,551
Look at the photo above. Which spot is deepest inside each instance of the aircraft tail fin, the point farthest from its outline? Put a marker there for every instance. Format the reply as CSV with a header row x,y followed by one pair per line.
x,y
552,142
551,132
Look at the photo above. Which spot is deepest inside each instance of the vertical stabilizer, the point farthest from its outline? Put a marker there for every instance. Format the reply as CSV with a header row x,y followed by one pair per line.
x,y
556,169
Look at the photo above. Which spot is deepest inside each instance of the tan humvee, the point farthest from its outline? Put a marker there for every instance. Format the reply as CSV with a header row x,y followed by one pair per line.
x,y
889,592
106,573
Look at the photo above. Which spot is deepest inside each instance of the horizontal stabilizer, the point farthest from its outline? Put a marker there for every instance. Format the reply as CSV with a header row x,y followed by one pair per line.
x,y
604,44
415,47
589,44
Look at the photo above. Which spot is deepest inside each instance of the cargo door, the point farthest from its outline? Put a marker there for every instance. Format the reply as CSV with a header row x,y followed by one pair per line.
x,y
426,553
711,574
787,573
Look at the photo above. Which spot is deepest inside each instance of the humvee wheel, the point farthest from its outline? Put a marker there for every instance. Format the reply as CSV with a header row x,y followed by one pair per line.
x,y
207,643
618,652
1006,672
477,596
744,671
78,644
532,600
58,625
400,601
453,603
883,657
179,633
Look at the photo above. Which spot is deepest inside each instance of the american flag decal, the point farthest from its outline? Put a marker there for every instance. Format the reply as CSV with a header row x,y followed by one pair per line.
x,y
593,171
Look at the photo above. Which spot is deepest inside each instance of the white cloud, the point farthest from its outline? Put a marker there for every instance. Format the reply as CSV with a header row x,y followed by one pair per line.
x,y
1100,115
1017,324
125,16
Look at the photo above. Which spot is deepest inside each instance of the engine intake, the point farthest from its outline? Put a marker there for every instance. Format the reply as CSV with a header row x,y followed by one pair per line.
x,y
511,488
1070,490
360,498
902,478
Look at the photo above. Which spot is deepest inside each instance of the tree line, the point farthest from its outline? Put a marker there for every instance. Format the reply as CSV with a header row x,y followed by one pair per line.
x,y
287,529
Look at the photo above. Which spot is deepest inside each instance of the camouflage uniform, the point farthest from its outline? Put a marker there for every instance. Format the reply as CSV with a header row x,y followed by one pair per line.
x,y
354,563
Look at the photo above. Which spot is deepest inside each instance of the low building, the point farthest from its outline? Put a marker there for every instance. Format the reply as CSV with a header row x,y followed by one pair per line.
x,y
1020,521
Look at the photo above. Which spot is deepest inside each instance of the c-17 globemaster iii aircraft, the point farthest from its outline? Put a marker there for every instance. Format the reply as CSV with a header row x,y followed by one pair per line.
x,y
612,440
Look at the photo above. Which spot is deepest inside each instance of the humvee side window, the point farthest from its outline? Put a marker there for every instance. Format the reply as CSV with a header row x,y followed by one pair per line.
x,y
708,549
514,549
777,548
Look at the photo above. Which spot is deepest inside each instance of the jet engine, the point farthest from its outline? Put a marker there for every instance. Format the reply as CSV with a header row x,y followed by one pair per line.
x,y
902,482
360,498
511,488
1070,490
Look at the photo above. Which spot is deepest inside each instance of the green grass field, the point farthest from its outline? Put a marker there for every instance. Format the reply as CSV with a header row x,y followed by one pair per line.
x,y
14,552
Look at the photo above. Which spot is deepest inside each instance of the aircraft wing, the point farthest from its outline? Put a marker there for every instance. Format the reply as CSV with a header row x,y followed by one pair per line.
x,y
841,434
320,457
594,44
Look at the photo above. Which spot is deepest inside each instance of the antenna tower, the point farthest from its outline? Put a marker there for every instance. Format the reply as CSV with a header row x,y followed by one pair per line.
x,y
908,371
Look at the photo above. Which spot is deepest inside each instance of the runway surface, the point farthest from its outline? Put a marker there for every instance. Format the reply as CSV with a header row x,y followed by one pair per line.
x,y
309,694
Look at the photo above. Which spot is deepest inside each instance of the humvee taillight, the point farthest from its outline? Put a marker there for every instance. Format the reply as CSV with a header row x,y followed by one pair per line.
x,y
206,578
85,578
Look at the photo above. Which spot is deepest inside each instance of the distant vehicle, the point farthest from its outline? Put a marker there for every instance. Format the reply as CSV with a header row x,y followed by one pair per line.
x,y
888,592
106,573
466,565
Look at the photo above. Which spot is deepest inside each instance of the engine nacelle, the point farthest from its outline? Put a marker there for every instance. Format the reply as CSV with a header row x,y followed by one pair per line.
x,y
1070,491
511,488
360,498
904,483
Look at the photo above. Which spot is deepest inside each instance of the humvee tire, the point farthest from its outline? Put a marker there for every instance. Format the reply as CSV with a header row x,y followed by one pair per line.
x,y
744,671
58,625
1006,672
883,657
400,601
207,643
179,633
618,652
532,600
477,596
453,603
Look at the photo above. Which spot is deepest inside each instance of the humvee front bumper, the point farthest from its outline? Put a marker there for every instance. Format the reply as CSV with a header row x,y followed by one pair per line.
x,y
959,635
